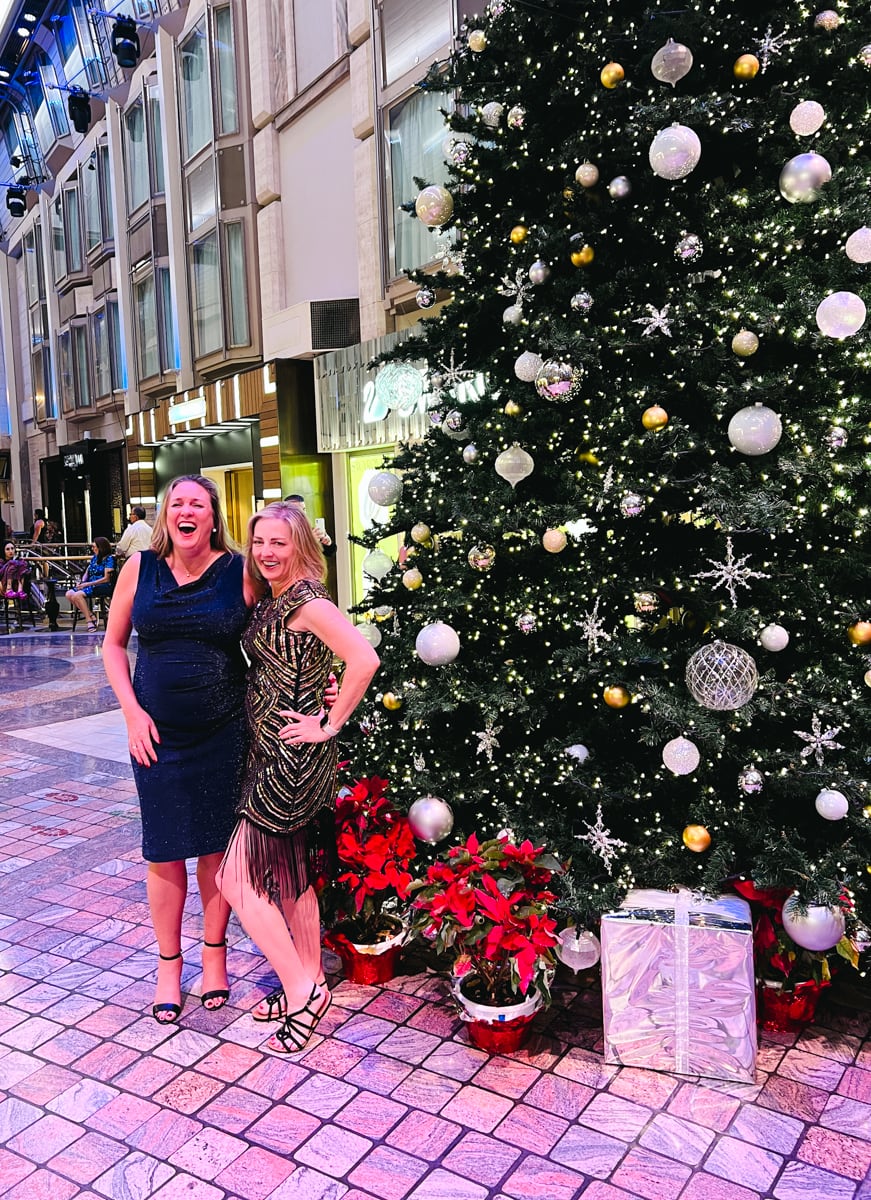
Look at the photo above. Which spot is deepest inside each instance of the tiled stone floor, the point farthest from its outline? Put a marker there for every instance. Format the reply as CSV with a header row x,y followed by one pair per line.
x,y
389,1102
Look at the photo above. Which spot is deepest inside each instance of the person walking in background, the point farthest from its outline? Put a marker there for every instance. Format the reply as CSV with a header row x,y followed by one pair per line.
x,y
137,535
96,581
188,600
286,837
327,544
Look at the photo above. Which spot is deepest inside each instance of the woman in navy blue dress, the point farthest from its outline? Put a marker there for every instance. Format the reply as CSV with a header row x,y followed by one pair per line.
x,y
188,599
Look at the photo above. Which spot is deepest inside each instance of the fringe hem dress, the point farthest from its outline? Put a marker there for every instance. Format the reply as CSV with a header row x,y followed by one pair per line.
x,y
288,794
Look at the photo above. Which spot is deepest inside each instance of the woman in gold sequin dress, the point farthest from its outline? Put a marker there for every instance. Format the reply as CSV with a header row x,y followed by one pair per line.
x,y
285,837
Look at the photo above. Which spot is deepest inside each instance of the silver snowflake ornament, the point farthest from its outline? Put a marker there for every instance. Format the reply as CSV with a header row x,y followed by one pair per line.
x,y
601,841
607,484
487,740
819,740
731,574
517,290
657,319
419,762
449,375
593,629
770,46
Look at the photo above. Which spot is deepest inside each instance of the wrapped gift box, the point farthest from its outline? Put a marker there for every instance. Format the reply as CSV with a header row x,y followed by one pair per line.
x,y
678,985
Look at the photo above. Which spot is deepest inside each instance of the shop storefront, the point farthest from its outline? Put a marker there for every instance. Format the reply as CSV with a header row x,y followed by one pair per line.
x,y
83,489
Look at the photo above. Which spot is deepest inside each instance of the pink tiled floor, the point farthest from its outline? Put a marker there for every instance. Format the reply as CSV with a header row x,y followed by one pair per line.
x,y
390,1103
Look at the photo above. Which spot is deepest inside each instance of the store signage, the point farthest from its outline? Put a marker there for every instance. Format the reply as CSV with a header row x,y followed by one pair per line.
x,y
187,410
376,409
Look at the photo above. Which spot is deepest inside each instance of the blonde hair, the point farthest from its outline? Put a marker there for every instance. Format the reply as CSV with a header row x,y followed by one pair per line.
x,y
161,542
308,558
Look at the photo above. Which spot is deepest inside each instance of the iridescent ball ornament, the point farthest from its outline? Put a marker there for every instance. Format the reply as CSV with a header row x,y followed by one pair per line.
x,y
841,315
470,453
491,114
430,819
577,949
755,430
458,153
425,297
582,302
555,380
631,504
819,927
828,19
434,205
620,187
539,272
865,56
512,315
671,62
681,756
437,644
675,152
751,781
721,677
836,437
481,558
526,622
858,245
803,177
689,248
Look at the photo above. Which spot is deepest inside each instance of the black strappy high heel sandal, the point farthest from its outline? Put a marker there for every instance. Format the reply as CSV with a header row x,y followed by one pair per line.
x,y
221,994
174,1010
276,1004
294,1035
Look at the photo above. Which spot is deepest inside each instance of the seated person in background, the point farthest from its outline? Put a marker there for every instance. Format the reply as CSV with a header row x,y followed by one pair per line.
x,y
96,581
12,573
327,544
137,535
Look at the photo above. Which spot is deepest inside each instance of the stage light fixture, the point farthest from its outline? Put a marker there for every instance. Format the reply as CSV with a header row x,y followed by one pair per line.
x,y
16,201
125,42
79,109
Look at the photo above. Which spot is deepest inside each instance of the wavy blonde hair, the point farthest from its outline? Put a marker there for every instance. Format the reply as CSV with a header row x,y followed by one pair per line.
x,y
308,558
161,542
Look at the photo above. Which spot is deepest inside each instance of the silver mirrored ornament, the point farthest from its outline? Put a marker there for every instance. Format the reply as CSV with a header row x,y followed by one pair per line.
x,y
631,504
454,423
539,272
458,153
802,178
430,819
384,488
555,380
721,677
526,622
689,248
837,437
865,56
675,152
437,644
751,781
491,114
516,116
671,62
425,297
434,205
582,302
577,949
619,187
470,453
482,557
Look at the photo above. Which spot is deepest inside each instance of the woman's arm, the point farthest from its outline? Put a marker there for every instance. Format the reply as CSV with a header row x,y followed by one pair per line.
x,y
108,565
141,731
323,619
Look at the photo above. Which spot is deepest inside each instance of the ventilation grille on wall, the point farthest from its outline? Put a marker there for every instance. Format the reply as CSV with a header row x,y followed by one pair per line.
x,y
335,323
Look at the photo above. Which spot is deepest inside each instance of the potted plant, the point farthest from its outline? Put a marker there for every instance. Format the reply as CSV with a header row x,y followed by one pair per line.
x,y
790,978
487,903
375,847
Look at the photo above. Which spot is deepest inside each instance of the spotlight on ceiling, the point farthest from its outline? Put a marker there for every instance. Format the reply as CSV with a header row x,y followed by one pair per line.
x,y
16,201
125,42
79,109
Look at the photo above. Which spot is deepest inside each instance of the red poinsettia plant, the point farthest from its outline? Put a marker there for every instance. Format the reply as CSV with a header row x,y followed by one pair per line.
x,y
375,848
488,903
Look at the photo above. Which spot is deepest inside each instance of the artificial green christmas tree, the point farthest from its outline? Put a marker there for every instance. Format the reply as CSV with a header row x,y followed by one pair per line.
x,y
642,507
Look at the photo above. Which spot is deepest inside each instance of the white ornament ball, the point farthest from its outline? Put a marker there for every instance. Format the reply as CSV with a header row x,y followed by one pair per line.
x,y
818,928
774,638
437,644
828,20
671,62
577,949
841,315
859,245
578,752
865,56
434,205
755,429
491,114
619,187
431,819
802,177
675,152
721,676
514,464
744,343
377,564
512,315
554,540
806,118
527,366
370,631
587,175
385,488
831,804
681,756
470,453
539,272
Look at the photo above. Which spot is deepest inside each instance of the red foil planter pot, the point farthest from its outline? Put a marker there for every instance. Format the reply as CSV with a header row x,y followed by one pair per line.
x,y
787,1010
360,965
499,1037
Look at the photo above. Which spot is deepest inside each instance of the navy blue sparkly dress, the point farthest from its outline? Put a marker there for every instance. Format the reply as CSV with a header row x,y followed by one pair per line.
x,y
190,679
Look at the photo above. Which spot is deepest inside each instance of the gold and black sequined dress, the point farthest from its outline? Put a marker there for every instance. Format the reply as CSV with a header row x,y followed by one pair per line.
x,y
288,792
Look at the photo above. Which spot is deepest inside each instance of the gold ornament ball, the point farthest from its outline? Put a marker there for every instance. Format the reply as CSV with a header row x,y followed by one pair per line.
x,y
745,343
588,456
859,633
612,74
420,533
519,234
553,540
746,67
512,409
696,838
583,257
412,579
654,417
477,40
616,695
391,701
867,678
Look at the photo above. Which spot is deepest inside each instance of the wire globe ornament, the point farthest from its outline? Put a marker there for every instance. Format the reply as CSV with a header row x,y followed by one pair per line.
x,y
721,676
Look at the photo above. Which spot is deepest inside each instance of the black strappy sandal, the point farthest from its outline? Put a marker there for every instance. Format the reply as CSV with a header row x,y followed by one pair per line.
x,y
294,1034
222,994
174,1010
276,1004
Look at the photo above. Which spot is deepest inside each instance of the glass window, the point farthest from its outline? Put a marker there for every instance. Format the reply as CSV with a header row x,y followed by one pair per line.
x,y
105,177
93,62
91,204
196,93
31,268
58,241
84,398
237,284
411,32
202,196
156,140
168,357
225,60
206,273
314,39
65,371
119,366
73,230
136,156
39,382
146,327
415,132
102,354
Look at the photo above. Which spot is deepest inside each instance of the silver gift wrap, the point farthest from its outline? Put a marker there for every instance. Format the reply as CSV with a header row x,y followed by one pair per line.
x,y
678,985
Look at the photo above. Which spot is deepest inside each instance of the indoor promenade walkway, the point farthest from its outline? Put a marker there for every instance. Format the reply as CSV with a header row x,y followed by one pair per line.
x,y
391,1103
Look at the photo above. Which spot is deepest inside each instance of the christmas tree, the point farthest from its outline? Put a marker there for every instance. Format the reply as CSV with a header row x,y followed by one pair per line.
x,y
641,512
